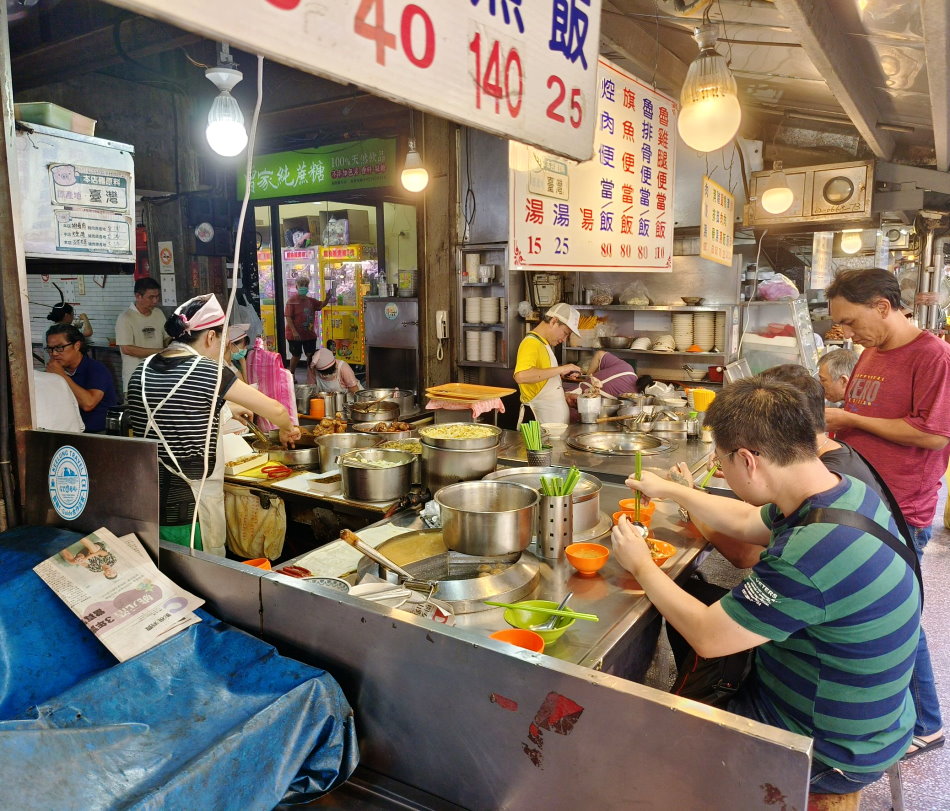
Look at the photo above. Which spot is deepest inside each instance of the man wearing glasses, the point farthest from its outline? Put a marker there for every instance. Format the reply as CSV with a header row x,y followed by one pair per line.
x,y
831,609
88,379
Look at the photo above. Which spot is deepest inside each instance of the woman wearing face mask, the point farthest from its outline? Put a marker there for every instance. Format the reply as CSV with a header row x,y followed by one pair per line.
x,y
236,350
332,374
171,397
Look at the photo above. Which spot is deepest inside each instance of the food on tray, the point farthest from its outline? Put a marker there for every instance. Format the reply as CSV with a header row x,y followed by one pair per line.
x,y
244,463
472,431
389,427
358,460
836,333
294,571
409,445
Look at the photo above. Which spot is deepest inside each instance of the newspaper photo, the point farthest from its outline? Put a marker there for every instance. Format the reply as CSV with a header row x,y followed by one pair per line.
x,y
113,586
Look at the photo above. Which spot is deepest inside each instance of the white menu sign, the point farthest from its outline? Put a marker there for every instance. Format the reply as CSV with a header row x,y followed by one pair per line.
x,y
522,69
613,212
716,223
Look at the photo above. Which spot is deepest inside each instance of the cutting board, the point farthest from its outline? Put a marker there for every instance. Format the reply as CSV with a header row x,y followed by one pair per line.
x,y
467,391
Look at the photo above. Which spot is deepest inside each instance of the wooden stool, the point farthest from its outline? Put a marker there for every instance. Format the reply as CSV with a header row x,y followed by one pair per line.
x,y
834,802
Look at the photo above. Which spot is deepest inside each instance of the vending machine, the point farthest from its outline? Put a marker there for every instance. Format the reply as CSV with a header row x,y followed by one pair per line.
x,y
348,273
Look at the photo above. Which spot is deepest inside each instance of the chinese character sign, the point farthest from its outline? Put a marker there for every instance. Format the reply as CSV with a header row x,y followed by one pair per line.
x,y
613,212
524,69
89,187
716,223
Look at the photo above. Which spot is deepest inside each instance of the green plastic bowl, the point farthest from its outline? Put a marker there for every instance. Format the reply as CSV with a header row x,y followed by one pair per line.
x,y
518,618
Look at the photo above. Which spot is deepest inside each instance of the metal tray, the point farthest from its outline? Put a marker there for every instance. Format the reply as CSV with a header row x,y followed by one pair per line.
x,y
617,443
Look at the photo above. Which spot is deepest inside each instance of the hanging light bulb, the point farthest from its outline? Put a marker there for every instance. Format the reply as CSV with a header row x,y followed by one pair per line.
x,y
851,241
225,131
777,197
710,114
414,177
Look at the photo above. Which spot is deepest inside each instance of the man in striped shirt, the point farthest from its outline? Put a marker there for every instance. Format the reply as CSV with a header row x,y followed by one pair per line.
x,y
832,612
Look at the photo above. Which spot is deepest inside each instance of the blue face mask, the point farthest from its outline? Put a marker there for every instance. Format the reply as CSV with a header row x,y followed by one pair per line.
x,y
239,354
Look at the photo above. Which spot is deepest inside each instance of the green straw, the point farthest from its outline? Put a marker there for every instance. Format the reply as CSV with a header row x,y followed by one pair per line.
x,y
638,472
709,474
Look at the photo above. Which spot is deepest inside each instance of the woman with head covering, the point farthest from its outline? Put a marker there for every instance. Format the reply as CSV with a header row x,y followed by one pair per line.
x,y
331,374
172,397
63,313
236,350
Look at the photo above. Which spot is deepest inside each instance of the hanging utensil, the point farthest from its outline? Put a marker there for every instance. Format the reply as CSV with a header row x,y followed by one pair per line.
x,y
551,623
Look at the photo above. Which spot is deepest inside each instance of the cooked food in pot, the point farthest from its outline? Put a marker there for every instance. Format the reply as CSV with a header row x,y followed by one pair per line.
x,y
472,431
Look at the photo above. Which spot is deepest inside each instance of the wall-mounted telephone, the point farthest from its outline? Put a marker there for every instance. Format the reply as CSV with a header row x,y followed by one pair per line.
x,y
441,324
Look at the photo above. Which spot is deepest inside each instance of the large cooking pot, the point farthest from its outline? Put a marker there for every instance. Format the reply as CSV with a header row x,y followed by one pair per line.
x,y
384,411
451,435
586,495
304,452
332,445
404,398
444,466
362,482
487,517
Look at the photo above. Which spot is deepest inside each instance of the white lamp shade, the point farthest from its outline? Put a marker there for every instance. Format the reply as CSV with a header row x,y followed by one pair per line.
x,y
710,123
778,199
414,177
225,132
851,241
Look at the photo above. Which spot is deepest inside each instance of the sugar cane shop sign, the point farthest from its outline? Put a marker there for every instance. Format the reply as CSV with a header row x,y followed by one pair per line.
x,y
358,165
524,69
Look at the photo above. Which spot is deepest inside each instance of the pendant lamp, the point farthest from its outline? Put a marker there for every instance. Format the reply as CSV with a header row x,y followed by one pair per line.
x,y
225,132
851,241
710,113
777,198
415,177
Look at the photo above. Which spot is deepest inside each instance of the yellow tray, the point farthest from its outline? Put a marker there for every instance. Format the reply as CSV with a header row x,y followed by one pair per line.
x,y
467,391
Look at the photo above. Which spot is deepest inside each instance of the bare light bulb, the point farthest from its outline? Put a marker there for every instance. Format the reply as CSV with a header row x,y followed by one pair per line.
x,y
778,196
710,114
225,131
851,241
414,176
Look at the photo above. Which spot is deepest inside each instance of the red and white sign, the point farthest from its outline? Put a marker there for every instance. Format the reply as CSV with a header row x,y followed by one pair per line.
x,y
524,69
613,212
166,257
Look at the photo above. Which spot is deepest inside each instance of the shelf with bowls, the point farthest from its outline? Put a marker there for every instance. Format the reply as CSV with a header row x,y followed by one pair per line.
x,y
711,354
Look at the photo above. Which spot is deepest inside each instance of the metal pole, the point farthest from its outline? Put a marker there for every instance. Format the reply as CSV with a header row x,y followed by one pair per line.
x,y
13,265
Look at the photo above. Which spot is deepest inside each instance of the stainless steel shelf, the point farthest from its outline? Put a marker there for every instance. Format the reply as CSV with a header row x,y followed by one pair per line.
x,y
663,308
477,325
647,352
495,364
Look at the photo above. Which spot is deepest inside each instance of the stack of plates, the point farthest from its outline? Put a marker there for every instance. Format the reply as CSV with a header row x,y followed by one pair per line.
x,y
704,330
473,311
721,331
472,338
486,345
490,310
683,330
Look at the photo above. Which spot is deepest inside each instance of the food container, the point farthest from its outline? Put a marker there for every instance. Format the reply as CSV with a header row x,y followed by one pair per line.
x,y
589,408
384,411
304,454
404,398
615,342
367,428
363,483
453,435
487,517
586,495
714,373
331,446
444,466
587,558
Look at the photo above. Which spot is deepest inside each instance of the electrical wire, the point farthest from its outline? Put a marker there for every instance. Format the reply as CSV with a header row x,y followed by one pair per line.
x,y
755,285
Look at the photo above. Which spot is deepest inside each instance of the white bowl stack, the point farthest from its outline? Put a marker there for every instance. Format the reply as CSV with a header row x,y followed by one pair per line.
x,y
490,310
721,331
472,344
473,311
486,346
683,330
704,330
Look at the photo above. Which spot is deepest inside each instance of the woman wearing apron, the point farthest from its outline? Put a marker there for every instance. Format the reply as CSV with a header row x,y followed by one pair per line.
x,y
332,375
609,374
172,396
537,372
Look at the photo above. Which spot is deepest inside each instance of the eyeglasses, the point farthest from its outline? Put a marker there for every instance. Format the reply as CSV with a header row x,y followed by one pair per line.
x,y
58,350
715,461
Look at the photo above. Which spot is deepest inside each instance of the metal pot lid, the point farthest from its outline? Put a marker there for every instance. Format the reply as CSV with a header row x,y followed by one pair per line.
x,y
587,486
619,443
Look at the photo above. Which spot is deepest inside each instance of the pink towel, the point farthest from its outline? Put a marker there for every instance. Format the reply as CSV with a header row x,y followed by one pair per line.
x,y
265,369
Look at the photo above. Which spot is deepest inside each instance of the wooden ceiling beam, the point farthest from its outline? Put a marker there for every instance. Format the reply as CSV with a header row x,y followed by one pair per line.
x,y
832,52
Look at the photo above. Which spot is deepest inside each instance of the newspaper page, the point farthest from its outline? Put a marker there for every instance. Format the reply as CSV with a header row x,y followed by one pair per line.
x,y
113,586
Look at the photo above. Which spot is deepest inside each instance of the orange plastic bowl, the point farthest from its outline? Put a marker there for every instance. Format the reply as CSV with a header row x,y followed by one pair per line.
x,y
587,558
258,563
646,508
661,551
521,638
645,518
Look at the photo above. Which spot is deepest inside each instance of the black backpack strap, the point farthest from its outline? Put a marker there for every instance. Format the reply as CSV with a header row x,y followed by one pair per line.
x,y
896,511
849,518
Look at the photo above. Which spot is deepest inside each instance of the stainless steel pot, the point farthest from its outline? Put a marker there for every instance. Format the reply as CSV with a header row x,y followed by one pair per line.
x,y
444,466
404,398
289,456
586,495
384,411
487,517
332,445
362,483
430,436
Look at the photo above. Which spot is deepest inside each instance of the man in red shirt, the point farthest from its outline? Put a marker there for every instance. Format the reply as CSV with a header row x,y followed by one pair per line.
x,y
300,314
896,413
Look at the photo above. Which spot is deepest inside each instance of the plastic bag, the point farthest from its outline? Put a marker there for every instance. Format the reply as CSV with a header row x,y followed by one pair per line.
x,y
778,288
635,293
601,295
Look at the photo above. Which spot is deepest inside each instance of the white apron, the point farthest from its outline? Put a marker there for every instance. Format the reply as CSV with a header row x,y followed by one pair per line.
x,y
210,507
331,386
549,404
600,383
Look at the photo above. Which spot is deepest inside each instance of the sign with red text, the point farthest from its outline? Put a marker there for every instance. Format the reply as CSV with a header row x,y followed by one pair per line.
x,y
717,213
613,212
524,69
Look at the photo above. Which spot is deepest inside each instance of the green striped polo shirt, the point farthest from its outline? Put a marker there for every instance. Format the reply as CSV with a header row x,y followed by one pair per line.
x,y
842,612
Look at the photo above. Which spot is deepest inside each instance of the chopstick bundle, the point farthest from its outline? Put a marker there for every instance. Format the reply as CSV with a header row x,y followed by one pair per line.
x,y
531,434
560,486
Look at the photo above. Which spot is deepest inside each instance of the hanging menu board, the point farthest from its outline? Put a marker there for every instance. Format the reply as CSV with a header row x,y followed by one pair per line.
x,y
717,214
613,212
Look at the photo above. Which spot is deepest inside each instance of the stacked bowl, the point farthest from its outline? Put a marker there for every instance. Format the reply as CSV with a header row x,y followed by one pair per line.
x,y
486,345
472,343
490,310
704,330
683,330
473,310
720,331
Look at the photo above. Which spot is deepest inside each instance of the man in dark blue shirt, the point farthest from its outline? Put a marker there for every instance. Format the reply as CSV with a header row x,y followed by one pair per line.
x,y
89,380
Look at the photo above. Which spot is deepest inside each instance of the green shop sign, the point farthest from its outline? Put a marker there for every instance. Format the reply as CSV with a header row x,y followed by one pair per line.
x,y
338,167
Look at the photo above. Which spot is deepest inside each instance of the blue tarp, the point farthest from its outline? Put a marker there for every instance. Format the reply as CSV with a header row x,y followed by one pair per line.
x,y
211,718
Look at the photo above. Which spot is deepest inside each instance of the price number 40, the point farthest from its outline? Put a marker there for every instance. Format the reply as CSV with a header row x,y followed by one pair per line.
x,y
419,54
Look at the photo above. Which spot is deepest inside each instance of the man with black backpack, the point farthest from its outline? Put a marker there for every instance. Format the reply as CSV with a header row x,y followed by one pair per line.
x,y
831,609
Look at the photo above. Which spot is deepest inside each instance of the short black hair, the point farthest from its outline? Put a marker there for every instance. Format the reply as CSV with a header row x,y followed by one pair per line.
x,y
143,285
72,334
809,385
865,286
59,311
765,416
